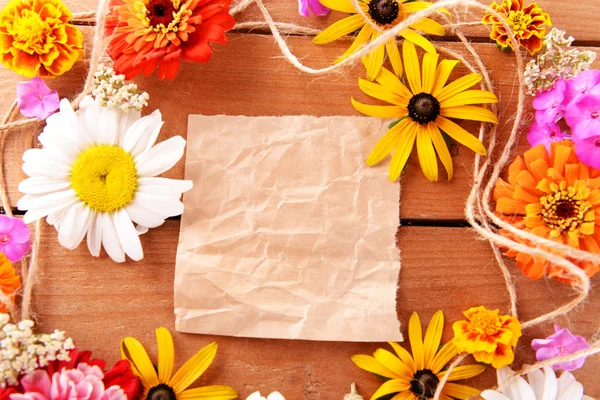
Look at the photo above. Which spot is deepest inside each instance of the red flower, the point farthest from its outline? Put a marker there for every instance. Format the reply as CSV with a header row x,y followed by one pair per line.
x,y
147,34
76,358
6,392
122,375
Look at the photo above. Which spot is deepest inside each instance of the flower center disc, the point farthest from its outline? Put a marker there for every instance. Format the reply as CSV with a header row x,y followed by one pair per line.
x,y
519,21
161,392
160,12
423,108
31,30
564,210
384,12
104,177
423,384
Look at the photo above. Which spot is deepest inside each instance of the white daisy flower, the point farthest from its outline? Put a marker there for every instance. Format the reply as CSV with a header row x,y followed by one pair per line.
x,y
543,385
96,176
272,396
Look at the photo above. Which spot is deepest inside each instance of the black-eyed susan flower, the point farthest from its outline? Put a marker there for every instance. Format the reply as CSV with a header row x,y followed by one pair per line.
x,y
417,376
425,109
385,14
160,383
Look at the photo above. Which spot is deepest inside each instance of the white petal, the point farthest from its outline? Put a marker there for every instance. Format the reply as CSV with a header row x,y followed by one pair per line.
x,y
544,384
502,375
164,186
108,129
94,234
161,157
521,390
143,216
55,218
569,388
126,119
493,395
142,134
275,396
52,138
140,229
43,185
74,225
110,240
90,118
128,236
40,206
45,162
165,206
72,130
255,396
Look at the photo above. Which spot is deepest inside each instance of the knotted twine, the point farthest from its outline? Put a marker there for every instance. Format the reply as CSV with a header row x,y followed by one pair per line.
x,y
486,173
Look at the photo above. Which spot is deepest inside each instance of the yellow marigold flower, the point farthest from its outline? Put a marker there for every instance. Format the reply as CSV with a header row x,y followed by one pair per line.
x,y
417,376
527,24
556,197
9,281
489,337
385,14
36,38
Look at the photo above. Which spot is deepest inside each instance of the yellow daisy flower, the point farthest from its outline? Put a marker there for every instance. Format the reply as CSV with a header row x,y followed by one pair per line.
x,y
424,110
417,377
164,385
385,14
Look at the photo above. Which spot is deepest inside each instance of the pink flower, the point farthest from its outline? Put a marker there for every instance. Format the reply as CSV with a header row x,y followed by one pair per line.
x,y
14,238
549,104
35,99
587,82
540,133
588,151
583,116
316,7
563,342
83,383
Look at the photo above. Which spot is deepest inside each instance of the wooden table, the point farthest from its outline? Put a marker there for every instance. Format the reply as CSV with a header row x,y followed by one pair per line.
x,y
445,265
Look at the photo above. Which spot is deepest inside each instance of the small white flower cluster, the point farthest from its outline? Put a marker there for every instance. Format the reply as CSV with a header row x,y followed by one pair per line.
x,y
22,351
112,91
557,61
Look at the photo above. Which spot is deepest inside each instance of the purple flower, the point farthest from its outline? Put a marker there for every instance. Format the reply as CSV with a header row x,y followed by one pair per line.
x,y
562,343
583,116
588,151
540,133
14,238
35,99
315,6
549,104
587,82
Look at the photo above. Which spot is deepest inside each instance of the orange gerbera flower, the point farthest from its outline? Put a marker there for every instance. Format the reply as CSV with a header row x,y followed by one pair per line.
x,y
556,197
9,281
527,24
147,34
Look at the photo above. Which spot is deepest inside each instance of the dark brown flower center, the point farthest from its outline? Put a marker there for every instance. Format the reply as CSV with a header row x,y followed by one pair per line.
x,y
383,12
161,392
160,12
423,384
423,108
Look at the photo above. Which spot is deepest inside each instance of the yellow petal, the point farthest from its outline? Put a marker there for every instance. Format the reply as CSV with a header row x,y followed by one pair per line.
x,y
470,97
470,113
391,386
392,49
442,358
387,143
408,395
166,354
429,66
362,37
429,166
416,6
374,60
339,29
132,350
215,392
411,66
402,151
433,336
460,391
391,81
404,356
392,363
380,92
339,5
370,364
460,135
418,39
459,85
442,73
193,368
464,372
380,111
429,26
442,150
415,334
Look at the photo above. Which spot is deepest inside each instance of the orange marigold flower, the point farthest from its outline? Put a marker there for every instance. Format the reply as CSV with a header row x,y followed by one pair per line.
x,y
9,281
556,197
488,336
36,38
527,24
147,34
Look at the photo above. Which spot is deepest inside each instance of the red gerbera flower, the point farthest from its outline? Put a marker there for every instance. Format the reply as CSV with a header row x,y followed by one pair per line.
x,y
147,34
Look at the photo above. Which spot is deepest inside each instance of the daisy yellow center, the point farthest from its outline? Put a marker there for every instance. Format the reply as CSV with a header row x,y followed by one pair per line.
x,y
423,108
164,15
384,12
485,323
424,384
161,392
31,30
104,178
519,22
565,209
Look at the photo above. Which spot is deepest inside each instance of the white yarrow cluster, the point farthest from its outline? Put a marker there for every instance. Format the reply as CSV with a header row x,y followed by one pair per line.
x,y
556,61
112,92
22,351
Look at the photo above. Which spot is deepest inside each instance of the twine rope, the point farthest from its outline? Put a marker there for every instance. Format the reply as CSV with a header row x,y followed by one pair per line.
x,y
478,211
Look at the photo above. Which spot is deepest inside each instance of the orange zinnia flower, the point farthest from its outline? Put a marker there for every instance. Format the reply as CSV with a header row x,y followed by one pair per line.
x,y
556,197
527,24
9,281
159,33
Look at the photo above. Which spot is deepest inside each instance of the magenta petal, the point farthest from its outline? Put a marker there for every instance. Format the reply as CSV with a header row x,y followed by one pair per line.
x,y
546,353
582,84
303,8
588,151
15,251
6,223
317,8
583,116
35,99
20,231
546,134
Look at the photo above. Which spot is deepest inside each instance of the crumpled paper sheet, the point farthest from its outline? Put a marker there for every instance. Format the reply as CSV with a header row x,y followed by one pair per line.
x,y
287,233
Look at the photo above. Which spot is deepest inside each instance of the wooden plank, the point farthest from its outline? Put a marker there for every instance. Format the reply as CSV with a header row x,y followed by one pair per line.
x,y
98,302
